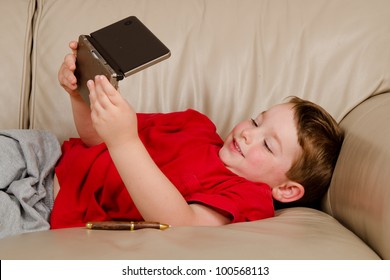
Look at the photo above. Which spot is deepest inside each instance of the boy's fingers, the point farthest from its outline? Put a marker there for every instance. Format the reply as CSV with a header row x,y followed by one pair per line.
x,y
67,76
66,73
96,105
101,94
92,92
73,45
110,91
70,61
72,81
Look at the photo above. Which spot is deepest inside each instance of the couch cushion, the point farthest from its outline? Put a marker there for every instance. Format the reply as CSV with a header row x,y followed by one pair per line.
x,y
296,233
229,60
15,50
359,194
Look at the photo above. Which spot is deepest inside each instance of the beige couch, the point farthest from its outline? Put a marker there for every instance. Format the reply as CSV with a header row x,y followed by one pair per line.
x,y
230,59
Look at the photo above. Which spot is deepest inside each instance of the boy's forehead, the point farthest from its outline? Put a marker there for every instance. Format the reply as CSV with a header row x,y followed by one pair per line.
x,y
285,108
281,125
280,117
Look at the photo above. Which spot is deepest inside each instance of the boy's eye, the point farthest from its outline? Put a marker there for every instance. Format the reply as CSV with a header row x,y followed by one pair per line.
x,y
254,122
267,147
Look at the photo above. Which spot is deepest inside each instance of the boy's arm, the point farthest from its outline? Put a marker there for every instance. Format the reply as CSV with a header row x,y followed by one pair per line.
x,y
82,119
156,198
154,195
81,111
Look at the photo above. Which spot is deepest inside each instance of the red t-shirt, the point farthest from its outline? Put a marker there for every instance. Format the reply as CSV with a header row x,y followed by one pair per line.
x,y
185,146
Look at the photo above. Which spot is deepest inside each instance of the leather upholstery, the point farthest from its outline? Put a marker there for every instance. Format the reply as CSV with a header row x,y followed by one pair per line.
x,y
230,60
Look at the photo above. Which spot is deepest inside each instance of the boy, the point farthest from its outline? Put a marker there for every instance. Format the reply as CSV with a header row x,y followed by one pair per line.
x,y
174,168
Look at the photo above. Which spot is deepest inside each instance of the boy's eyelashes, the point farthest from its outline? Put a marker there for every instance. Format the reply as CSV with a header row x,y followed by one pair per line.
x,y
267,147
254,122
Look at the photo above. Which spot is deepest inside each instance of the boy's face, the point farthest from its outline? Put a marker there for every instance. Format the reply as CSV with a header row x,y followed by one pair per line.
x,y
263,149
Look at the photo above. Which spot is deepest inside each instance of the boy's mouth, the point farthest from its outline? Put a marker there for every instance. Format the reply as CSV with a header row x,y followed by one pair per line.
x,y
237,147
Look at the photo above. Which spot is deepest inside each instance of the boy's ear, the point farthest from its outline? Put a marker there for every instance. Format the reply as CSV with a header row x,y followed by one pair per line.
x,y
288,192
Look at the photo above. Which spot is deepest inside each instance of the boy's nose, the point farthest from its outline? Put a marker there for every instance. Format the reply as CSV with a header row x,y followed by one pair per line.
x,y
247,135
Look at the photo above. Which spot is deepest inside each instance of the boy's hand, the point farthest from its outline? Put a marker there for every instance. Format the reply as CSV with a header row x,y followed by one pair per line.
x,y
112,116
66,75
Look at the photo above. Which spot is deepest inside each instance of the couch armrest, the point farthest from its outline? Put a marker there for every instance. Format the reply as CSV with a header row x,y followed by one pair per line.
x,y
359,194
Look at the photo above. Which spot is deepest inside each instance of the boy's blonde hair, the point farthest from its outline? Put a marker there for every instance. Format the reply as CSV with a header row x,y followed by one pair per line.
x,y
320,138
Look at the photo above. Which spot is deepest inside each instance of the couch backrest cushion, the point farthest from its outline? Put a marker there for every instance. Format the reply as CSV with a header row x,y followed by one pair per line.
x,y
230,59
16,25
359,194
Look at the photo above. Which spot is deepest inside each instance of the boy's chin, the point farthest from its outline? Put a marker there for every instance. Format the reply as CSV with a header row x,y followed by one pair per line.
x,y
224,156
